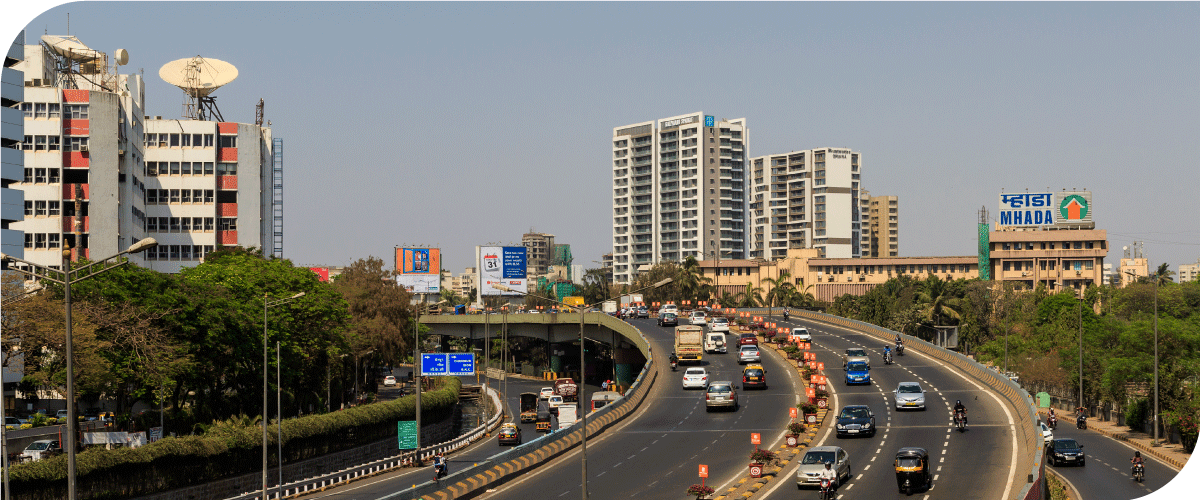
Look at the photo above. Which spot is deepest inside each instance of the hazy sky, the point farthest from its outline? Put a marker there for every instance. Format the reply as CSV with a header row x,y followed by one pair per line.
x,y
455,125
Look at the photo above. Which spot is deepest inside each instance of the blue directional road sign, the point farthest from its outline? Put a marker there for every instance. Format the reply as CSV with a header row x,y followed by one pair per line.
x,y
462,363
433,364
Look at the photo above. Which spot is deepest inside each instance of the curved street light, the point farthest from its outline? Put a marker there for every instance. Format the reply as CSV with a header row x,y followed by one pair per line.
x,y
266,304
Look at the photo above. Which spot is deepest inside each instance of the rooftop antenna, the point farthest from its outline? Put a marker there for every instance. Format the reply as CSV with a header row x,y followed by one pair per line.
x,y
258,112
199,77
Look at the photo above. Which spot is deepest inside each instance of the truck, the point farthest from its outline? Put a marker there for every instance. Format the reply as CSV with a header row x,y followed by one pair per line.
x,y
689,343
566,416
631,300
609,307
566,388
573,301
529,402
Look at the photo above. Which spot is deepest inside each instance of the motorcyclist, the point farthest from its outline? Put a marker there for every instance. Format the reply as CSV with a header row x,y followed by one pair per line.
x,y
887,352
1053,419
785,315
439,466
831,475
960,409
674,360
1136,460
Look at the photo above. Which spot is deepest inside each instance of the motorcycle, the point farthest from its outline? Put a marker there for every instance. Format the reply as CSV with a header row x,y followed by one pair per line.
x,y
887,357
960,421
899,348
826,489
674,364
1052,422
1139,472
439,470
1081,422
785,315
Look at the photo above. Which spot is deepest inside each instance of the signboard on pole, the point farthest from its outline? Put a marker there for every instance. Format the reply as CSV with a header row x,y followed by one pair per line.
x,y
703,470
419,269
447,364
502,266
406,434
155,434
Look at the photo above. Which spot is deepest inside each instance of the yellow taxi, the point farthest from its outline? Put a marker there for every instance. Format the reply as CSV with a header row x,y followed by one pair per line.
x,y
754,376
509,434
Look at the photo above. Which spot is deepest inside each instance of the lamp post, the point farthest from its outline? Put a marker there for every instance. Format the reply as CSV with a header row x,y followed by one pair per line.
x,y
6,493
583,369
268,303
416,373
66,277
1081,348
1156,278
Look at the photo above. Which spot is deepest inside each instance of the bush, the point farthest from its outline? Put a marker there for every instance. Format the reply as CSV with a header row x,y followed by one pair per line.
x,y
1137,414
699,490
763,456
795,428
807,408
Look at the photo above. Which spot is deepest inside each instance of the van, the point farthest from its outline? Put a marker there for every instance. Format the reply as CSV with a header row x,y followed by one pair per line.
x,y
715,343
603,398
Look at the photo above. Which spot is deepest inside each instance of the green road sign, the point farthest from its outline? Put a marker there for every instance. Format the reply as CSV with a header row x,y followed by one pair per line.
x,y
1043,400
406,433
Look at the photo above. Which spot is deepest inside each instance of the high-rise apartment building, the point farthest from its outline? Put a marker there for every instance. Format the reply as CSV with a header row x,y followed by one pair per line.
x,y
807,199
540,248
883,223
94,162
678,190
12,159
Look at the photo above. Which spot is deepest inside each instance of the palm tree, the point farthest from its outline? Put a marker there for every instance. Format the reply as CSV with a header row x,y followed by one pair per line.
x,y
1163,274
935,300
802,298
781,289
692,284
752,296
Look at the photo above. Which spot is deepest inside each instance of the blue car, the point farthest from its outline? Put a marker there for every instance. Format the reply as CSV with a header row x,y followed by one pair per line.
x,y
857,372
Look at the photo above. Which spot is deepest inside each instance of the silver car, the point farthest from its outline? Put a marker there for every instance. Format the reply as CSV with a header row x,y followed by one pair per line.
x,y
720,395
748,354
809,473
856,354
909,395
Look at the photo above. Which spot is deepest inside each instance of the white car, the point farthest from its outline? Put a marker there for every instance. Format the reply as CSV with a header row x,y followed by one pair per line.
x,y
719,325
1047,433
545,393
669,308
715,343
699,318
800,334
39,450
555,402
389,381
909,395
695,378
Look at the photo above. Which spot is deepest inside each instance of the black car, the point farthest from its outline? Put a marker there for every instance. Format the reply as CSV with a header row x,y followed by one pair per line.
x,y
856,420
668,319
1064,451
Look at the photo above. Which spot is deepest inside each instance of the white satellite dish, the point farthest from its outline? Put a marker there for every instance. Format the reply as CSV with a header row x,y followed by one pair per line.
x,y
71,48
198,76
122,57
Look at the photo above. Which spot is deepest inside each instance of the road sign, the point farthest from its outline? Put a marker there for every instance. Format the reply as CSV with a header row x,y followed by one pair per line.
x,y
755,438
461,363
155,434
793,412
810,392
821,366
703,470
821,403
452,364
756,471
433,364
406,433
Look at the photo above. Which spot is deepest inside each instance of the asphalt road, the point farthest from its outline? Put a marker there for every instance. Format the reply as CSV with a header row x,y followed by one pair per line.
x,y
972,464
655,452
1106,470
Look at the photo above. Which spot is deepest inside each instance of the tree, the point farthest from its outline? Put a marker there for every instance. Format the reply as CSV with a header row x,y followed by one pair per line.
x,y
1163,274
751,296
781,289
381,311
936,301
692,284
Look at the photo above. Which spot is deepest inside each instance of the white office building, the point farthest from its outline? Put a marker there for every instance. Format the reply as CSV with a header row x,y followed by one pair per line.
x,y
678,190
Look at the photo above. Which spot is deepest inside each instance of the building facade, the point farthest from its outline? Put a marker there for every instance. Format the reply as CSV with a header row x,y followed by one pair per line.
x,y
12,158
1189,272
807,199
678,191
540,247
1056,258
883,227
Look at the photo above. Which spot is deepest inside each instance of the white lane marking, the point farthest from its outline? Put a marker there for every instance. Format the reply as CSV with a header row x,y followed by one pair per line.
x,y
563,493
867,467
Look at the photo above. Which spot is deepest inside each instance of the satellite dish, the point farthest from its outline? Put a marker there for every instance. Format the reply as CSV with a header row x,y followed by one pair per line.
x,y
198,76
122,57
1126,248
71,48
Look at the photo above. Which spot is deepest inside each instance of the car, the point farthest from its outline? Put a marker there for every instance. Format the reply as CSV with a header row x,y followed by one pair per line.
x,y
754,376
857,372
555,401
715,343
747,339
856,420
643,313
809,473
1065,451
695,378
856,353
509,434
39,450
1047,432
699,318
720,395
909,395
91,414
800,334
61,414
668,319
668,308
12,423
719,325
545,393
389,381
748,354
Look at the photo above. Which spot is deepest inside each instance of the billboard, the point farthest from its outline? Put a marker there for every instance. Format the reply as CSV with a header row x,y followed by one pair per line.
x,y
322,273
1066,209
502,266
419,269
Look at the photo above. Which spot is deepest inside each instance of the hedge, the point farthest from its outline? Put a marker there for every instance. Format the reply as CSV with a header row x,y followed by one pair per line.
x,y
227,449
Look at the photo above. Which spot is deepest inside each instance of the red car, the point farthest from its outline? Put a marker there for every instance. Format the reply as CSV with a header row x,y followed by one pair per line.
x,y
747,339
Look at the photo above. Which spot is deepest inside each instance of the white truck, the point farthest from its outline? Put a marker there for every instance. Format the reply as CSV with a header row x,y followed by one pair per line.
x,y
631,300
566,416
609,307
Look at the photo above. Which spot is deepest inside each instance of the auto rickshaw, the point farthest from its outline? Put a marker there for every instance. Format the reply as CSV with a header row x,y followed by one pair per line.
x,y
543,416
912,470
528,407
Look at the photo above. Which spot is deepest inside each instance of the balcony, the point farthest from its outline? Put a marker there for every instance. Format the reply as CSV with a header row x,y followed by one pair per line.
x,y
227,237
227,182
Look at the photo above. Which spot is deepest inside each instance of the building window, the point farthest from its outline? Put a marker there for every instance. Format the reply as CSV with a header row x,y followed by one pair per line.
x,y
208,196
174,168
208,223
197,140
39,175
76,111
174,196
27,108
228,224
1005,247
227,169
27,144
54,240
1007,265
55,207
152,224
229,141
76,143
39,143
208,140
208,168
186,196
39,110
151,169
55,110
174,140
53,143
1078,245
39,208
1088,245
185,140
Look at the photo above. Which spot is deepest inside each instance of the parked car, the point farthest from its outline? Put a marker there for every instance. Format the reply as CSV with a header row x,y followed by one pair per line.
x,y
748,354
668,319
43,449
1065,451
856,420
809,473
13,423
61,414
695,378
719,325
720,395
909,395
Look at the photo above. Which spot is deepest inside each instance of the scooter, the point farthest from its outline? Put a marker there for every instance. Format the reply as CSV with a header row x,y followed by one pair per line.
x,y
887,357
1139,472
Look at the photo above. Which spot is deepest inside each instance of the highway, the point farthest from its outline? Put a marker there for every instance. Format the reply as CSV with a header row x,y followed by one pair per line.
x,y
655,452
1105,473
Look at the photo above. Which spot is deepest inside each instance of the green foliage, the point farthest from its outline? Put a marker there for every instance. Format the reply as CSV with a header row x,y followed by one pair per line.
x,y
795,428
763,456
1137,415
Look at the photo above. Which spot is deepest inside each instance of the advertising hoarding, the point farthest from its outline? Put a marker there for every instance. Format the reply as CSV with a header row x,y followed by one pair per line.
x,y
1066,209
419,269
322,273
502,266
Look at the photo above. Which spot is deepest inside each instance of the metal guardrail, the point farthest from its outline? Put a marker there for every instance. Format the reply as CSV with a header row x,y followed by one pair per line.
x,y
401,459
1031,487
522,458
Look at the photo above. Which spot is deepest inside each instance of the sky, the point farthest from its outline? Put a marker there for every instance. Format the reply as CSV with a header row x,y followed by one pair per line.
x,y
454,125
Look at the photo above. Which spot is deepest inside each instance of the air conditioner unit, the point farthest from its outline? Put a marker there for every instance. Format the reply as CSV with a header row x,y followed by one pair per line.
x,y
121,152
849,278
1078,273
1024,273
83,148
120,119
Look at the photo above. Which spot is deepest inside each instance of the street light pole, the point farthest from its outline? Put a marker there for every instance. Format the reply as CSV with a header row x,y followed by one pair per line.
x,y
66,278
582,370
268,303
1155,442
